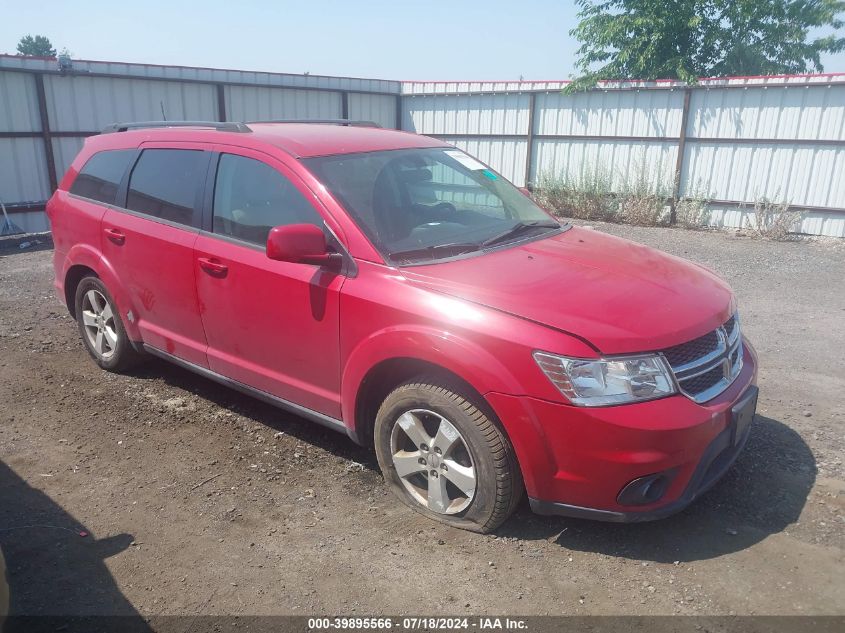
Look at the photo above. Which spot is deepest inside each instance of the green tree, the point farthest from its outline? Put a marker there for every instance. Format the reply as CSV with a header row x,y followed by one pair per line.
x,y
38,46
687,39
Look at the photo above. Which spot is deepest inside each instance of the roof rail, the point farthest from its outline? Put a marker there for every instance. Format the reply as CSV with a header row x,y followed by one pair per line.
x,y
228,126
349,122
217,125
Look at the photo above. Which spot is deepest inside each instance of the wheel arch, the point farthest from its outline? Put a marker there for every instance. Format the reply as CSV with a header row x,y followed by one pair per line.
x,y
391,356
73,276
83,260
386,376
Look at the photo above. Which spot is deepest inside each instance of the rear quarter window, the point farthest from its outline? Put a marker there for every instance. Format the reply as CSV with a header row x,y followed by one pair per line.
x,y
99,179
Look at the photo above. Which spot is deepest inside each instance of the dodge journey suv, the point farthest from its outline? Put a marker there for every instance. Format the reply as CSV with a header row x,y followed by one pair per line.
x,y
394,288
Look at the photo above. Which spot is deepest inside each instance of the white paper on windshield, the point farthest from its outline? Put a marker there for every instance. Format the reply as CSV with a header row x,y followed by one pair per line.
x,y
467,161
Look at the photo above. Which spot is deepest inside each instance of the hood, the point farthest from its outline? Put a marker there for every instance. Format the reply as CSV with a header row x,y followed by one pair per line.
x,y
620,296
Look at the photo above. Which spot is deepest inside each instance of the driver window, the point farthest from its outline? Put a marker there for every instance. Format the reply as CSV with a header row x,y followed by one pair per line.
x,y
250,198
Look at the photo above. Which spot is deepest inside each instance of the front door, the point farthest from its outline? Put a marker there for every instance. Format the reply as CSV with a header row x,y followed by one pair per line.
x,y
271,325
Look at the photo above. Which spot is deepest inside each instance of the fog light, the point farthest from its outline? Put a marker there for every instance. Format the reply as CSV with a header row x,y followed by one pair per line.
x,y
645,490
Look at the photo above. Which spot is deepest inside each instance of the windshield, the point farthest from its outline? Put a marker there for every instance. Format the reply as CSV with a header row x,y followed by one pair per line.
x,y
426,204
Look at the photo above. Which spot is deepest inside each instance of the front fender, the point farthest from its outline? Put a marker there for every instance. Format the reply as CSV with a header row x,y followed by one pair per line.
x,y
478,367
487,373
86,255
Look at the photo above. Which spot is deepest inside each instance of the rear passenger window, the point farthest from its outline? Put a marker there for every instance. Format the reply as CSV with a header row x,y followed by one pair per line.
x,y
250,198
164,183
100,177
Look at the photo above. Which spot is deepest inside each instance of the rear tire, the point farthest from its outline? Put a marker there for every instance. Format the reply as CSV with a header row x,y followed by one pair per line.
x,y
443,456
101,327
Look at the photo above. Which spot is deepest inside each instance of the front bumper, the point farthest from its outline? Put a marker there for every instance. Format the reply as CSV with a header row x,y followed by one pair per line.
x,y
718,457
576,460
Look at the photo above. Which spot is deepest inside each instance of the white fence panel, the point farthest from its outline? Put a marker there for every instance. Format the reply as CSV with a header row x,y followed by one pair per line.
x,y
625,162
23,170
262,104
379,109
610,113
467,114
799,174
793,113
18,103
812,223
90,103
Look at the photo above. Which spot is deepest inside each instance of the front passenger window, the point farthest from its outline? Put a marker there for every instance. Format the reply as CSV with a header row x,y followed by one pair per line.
x,y
250,198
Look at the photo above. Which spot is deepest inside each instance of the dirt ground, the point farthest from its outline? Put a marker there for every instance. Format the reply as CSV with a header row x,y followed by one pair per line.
x,y
198,500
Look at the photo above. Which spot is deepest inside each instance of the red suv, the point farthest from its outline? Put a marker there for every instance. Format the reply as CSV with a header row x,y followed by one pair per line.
x,y
392,287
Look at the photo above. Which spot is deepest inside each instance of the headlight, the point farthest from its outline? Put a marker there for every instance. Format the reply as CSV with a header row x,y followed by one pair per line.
x,y
604,381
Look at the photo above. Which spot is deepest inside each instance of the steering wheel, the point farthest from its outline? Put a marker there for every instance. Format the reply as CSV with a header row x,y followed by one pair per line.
x,y
444,208
434,215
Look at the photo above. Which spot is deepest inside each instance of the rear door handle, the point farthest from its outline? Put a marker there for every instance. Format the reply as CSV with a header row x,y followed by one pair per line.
x,y
213,266
115,236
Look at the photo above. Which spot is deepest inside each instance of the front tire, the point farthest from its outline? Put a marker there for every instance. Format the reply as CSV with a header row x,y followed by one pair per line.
x,y
443,456
101,328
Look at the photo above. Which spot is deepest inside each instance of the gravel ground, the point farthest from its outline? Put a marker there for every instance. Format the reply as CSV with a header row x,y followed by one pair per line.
x,y
195,499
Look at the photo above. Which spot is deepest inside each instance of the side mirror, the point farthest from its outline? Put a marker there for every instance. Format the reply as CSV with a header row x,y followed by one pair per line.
x,y
300,244
525,191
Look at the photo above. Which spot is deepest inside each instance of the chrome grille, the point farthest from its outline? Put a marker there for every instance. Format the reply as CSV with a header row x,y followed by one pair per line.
x,y
706,366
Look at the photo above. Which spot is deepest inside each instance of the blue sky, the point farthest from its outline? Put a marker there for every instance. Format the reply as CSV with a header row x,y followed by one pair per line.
x,y
436,39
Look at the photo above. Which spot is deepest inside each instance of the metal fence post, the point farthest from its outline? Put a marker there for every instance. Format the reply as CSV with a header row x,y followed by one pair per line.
x,y
529,148
45,132
399,111
221,102
679,161
344,105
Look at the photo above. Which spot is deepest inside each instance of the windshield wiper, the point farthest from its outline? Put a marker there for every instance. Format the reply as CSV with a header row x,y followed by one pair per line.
x,y
459,248
518,229
436,250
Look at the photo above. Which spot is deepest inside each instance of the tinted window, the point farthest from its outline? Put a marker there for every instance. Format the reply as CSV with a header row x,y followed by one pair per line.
x,y
164,183
250,198
100,178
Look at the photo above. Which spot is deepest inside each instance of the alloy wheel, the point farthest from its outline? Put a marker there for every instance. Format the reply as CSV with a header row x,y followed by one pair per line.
x,y
433,461
98,319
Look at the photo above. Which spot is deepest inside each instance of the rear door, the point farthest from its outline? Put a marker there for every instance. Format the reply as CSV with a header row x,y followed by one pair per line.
x,y
272,325
150,243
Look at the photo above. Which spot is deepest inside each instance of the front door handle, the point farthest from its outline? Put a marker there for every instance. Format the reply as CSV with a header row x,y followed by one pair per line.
x,y
213,266
115,236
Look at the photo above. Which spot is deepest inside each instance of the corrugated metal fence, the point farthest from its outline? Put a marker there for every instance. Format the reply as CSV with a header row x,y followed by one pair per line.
x,y
735,140
45,114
